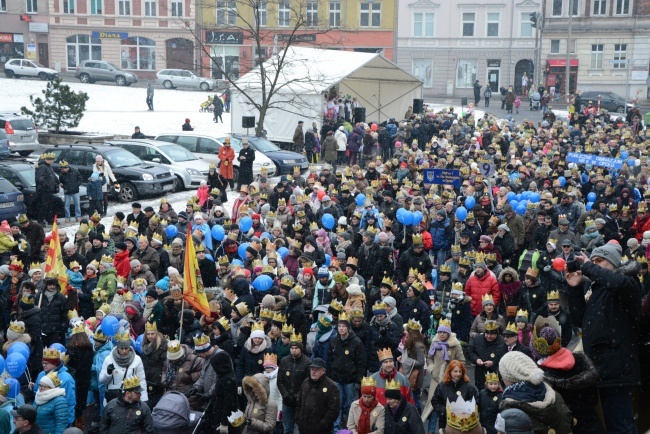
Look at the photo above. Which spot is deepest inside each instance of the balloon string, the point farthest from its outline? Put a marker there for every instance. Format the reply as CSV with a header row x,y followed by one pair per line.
x,y
29,377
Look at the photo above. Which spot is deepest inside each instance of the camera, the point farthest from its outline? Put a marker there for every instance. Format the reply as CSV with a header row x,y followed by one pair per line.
x,y
572,266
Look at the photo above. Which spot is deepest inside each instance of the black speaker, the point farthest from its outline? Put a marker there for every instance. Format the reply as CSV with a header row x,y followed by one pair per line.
x,y
463,101
248,121
360,114
418,106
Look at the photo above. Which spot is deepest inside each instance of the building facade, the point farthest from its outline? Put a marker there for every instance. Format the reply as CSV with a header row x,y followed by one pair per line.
x,y
609,49
229,43
24,30
449,45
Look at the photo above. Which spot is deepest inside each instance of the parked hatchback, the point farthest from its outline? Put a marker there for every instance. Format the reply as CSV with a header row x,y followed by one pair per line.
x,y
90,71
16,68
608,100
21,133
136,177
12,201
173,78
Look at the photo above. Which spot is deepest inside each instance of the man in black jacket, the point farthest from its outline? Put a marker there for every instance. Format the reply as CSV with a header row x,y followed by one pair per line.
x,y
138,217
610,314
47,185
318,401
294,369
127,414
346,366
54,312
70,180
554,309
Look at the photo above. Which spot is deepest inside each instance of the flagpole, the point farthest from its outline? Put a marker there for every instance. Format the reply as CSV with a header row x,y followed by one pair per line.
x,y
180,330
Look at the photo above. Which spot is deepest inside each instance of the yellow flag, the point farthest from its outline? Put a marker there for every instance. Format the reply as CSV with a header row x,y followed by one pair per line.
x,y
193,291
54,266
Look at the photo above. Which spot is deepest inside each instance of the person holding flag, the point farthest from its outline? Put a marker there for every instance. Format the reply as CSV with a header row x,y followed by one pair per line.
x,y
52,300
193,292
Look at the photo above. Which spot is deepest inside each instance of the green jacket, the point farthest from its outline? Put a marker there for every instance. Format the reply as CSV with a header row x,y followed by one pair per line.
x,y
107,282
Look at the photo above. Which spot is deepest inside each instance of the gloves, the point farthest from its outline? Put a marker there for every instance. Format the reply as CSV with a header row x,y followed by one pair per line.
x,y
110,368
223,429
191,392
239,390
547,268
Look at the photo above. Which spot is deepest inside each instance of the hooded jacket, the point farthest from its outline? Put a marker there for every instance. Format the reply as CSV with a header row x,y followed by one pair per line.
x,y
260,410
476,287
225,396
186,374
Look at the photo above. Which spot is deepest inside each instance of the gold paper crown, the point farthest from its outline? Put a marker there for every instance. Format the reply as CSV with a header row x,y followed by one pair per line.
x,y
552,240
491,326
107,258
256,263
151,326
173,346
4,388
270,359
462,415
131,382
224,323
512,327
268,269
143,238
368,381
52,375
492,257
155,219
491,377
287,328
236,419
27,298
121,279
444,322
123,336
279,317
201,340
419,287
99,336
157,237
223,260
17,263
199,248
296,244
356,312
387,281
128,296
384,353
392,384
353,261
344,316
295,337
417,239
553,296
336,305
257,326
17,327
299,290
140,281
37,265
444,268
72,314
51,353
522,313
487,297
242,308
457,286
134,225
414,325
287,281
455,248
413,272
464,261
266,314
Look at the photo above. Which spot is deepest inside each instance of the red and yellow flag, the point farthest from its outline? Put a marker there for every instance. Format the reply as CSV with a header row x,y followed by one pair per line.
x,y
193,291
54,266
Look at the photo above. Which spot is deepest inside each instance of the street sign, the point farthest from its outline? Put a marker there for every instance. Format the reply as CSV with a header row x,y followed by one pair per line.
x,y
442,176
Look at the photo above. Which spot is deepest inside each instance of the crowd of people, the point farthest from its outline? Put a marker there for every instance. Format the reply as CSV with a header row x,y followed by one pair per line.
x,y
361,299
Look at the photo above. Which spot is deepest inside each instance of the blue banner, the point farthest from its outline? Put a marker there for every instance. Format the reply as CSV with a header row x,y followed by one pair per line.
x,y
442,176
594,160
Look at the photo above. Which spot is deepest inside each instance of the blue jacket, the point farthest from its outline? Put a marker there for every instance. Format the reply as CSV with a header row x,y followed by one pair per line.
x,y
51,416
441,234
68,383
76,278
98,361
392,130
94,189
322,346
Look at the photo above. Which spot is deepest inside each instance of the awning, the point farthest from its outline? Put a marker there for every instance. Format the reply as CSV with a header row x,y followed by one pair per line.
x,y
561,62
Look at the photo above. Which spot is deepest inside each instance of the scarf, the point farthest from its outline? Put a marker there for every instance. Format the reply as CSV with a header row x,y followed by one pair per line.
x,y
148,309
271,375
255,350
45,396
363,427
123,361
322,329
172,368
525,392
440,345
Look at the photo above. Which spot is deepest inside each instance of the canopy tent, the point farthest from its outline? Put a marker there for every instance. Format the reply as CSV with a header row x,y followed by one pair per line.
x,y
307,74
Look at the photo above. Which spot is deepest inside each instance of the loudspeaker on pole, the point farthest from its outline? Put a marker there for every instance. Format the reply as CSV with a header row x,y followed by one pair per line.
x,y
248,122
418,106
360,114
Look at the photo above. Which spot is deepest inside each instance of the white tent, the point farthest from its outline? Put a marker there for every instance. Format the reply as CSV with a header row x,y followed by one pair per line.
x,y
307,74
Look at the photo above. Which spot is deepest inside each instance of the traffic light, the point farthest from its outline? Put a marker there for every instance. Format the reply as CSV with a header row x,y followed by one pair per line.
x,y
533,19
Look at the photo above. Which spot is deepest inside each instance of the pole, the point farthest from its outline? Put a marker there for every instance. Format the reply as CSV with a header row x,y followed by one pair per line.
x,y
512,24
180,329
535,77
540,24
567,79
627,83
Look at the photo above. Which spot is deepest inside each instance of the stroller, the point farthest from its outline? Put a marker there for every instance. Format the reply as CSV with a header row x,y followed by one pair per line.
x,y
172,415
206,106
535,101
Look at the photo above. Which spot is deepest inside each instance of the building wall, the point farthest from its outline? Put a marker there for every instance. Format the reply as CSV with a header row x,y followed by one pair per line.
x,y
21,31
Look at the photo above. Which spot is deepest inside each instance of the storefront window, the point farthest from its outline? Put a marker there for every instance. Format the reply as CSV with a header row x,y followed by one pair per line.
x,y
225,59
82,47
466,73
138,53
423,69
11,47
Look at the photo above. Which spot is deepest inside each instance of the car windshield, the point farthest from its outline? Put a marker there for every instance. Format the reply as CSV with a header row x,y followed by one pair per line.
x,y
235,143
37,64
6,187
29,175
263,145
177,153
122,158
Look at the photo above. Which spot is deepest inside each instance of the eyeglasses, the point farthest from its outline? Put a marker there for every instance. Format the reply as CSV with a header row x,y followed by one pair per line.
x,y
566,247
597,260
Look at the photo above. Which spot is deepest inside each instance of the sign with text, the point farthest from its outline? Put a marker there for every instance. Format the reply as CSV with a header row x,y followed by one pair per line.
x,y
442,176
110,35
225,38
295,38
594,160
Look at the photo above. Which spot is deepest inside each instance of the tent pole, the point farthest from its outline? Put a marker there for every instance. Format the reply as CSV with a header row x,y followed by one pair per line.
x,y
379,102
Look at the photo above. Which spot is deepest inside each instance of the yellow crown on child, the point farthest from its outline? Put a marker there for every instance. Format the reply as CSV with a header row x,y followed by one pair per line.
x,y
79,328
257,326
224,323
522,313
368,381
52,375
457,286
131,383
223,260
122,336
17,326
491,377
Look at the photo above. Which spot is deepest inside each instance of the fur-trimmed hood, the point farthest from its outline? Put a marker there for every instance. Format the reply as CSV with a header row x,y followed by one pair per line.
x,y
256,388
511,271
280,303
24,338
452,341
582,375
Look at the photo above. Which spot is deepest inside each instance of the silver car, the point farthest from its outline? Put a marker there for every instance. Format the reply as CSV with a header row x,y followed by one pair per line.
x,y
90,71
173,78
21,133
188,169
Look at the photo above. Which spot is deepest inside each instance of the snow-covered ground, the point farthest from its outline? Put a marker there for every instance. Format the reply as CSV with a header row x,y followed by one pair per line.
x,y
117,110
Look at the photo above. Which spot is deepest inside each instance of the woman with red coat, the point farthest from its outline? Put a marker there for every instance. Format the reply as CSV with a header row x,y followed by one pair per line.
x,y
641,222
122,261
226,158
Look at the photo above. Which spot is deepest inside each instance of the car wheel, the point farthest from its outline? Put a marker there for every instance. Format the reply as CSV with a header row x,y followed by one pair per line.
x,y
43,76
9,73
205,87
84,78
178,185
24,153
168,84
120,81
127,192
620,109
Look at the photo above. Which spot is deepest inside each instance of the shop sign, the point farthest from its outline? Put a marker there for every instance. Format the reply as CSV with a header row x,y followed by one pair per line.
x,y
110,35
39,27
224,38
6,37
494,63
283,37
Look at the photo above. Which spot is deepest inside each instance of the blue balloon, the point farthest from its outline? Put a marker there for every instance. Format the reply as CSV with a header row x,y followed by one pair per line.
x,y
171,231
16,364
14,387
262,283
562,180
283,252
525,195
461,213
518,197
511,195
360,199
591,197
624,155
470,202
59,347
218,232
630,162
245,224
514,176
138,344
328,221
209,256
521,210
328,260
408,218
20,348
110,326
2,364
265,235
523,202
514,204
535,197
237,262
400,215
241,251
589,206
417,217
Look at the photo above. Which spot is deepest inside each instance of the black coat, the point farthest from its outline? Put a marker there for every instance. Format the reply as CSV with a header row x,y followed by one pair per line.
x,y
610,321
121,417
46,179
296,317
532,298
152,362
346,358
406,420
488,408
318,406
450,392
224,341
367,260
33,327
249,364
480,348
208,272
293,372
225,397
409,260
368,337
54,314
518,347
246,166
71,181
79,366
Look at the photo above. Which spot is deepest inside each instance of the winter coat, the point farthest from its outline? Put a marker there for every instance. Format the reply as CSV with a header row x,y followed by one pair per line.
x,y
450,392
509,291
153,362
148,257
107,282
406,419
225,396
96,369
51,416
144,273
368,338
413,362
291,375
246,166
54,314
33,327
227,157
480,348
79,365
250,363
71,181
610,321
68,384
488,408
120,417
114,381
415,309
377,418
476,287
532,298
46,179
442,234
318,406
508,248
94,189
330,148
436,366
298,137
409,260
261,411
346,359
478,326
186,374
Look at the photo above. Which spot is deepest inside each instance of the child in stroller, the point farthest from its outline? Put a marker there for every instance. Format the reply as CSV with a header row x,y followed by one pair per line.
x,y
535,101
206,106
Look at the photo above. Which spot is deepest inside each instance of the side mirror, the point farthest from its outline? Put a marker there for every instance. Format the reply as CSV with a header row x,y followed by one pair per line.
x,y
156,160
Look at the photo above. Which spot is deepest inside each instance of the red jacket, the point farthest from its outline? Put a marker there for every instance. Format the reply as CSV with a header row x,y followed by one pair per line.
x,y
122,263
478,287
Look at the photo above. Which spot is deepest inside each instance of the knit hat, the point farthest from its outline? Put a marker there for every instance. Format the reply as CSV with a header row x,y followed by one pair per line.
x,y
323,272
503,227
485,239
646,239
135,263
120,246
354,289
444,326
632,243
516,366
152,293
47,380
487,300
4,269
268,302
175,350
514,421
609,252
390,301
382,237
16,330
163,284
294,295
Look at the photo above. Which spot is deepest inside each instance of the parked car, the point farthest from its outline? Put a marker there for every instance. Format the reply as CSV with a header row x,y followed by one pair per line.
x,y
136,178
90,71
16,68
4,144
21,133
173,78
206,146
12,201
188,169
284,161
22,175
608,100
